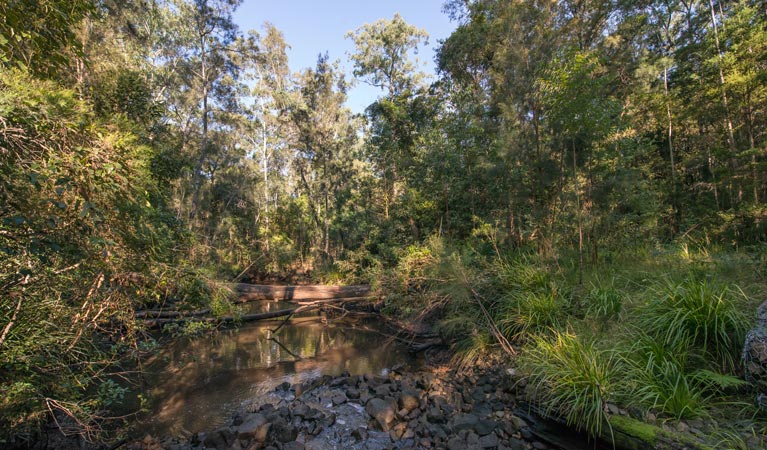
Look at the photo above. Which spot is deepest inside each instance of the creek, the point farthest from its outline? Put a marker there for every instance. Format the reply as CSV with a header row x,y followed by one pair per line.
x,y
193,384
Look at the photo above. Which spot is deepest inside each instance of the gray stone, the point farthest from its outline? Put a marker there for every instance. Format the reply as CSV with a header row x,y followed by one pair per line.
x,y
485,427
360,434
518,423
464,422
434,415
293,445
283,431
517,444
409,400
382,411
455,443
488,441
339,399
221,438
255,427
472,440
353,394
383,390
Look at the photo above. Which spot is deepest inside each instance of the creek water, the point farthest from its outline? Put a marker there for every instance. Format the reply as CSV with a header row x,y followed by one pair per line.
x,y
196,384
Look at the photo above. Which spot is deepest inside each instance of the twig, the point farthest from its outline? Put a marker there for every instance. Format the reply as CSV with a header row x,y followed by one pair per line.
x,y
285,348
15,314
493,329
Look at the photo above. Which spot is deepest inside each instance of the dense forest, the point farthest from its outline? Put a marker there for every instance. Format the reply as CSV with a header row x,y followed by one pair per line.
x,y
575,175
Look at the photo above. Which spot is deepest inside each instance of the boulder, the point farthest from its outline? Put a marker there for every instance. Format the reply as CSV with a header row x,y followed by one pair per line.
x,y
254,426
382,411
755,354
409,400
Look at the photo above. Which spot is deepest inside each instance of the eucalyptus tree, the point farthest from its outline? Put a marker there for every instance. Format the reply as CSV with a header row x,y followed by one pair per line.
x,y
324,138
271,84
382,58
198,43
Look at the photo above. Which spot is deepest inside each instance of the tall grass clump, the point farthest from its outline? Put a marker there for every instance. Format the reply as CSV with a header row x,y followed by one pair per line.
x,y
533,312
572,379
662,377
603,302
707,316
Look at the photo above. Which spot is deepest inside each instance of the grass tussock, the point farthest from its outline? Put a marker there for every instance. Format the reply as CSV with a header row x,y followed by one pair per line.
x,y
572,378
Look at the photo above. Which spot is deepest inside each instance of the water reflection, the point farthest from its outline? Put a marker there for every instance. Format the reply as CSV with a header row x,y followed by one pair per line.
x,y
195,384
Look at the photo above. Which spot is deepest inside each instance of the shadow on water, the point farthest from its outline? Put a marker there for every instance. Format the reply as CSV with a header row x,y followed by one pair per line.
x,y
193,385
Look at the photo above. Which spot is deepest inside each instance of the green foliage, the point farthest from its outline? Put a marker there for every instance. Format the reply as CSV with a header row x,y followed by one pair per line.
x,y
191,328
603,302
572,378
111,393
707,316
40,35
77,229
531,312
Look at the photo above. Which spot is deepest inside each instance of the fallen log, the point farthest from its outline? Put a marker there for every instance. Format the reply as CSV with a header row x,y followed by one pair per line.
x,y
251,292
302,307
160,314
622,432
169,314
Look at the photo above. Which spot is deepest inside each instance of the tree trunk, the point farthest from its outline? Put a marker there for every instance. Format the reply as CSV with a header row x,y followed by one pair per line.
x,y
580,219
295,293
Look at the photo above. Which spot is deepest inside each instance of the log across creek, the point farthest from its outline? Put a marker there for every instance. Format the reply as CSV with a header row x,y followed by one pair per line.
x,y
306,298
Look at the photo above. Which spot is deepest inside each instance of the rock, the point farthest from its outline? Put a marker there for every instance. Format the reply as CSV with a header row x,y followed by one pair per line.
x,y
485,427
682,427
518,423
434,415
488,441
352,394
293,445
360,434
539,445
755,351
328,420
382,411
284,386
283,431
464,422
398,431
382,391
527,434
339,399
300,410
472,440
255,427
517,444
409,400
456,443
221,438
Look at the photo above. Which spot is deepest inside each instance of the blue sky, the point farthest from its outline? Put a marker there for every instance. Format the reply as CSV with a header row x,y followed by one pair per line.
x,y
313,27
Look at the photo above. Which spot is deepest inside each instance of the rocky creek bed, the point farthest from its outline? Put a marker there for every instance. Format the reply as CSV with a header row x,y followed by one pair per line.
x,y
436,408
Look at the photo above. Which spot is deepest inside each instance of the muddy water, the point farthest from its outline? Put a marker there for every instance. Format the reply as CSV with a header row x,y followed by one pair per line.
x,y
194,385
